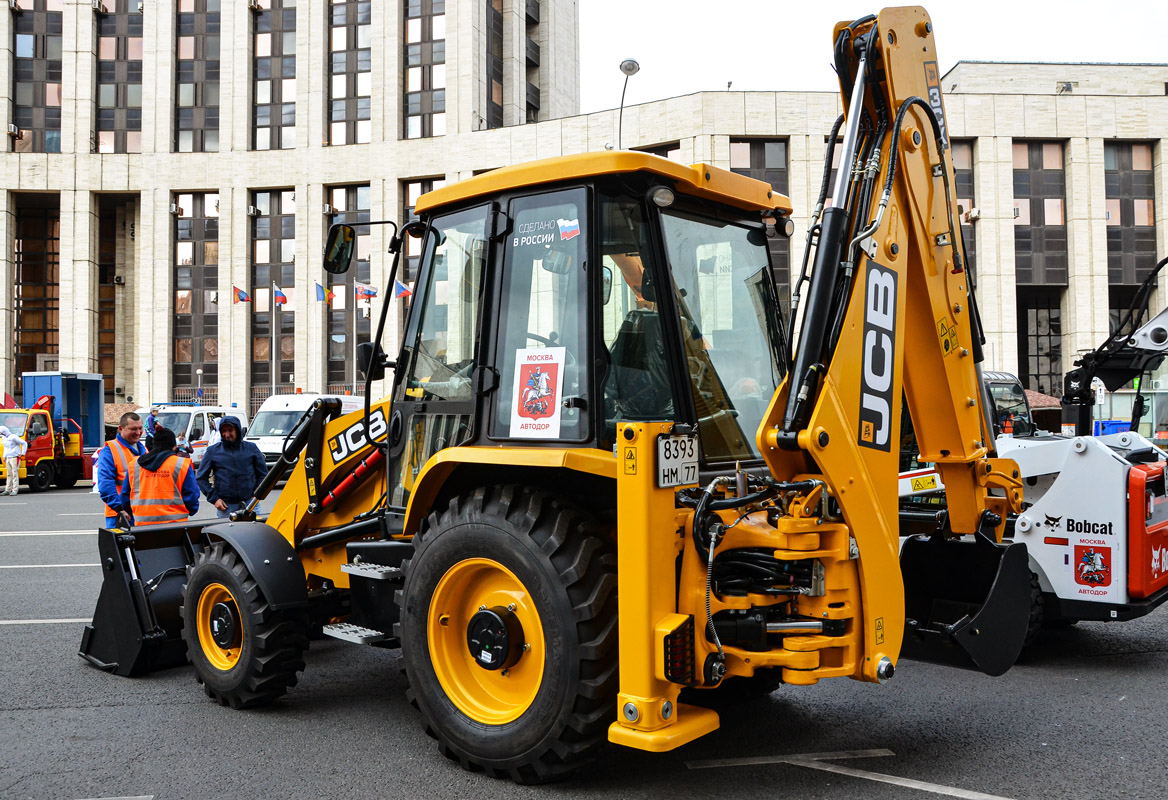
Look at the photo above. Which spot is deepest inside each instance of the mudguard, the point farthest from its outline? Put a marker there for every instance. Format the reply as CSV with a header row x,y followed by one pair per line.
x,y
270,559
967,602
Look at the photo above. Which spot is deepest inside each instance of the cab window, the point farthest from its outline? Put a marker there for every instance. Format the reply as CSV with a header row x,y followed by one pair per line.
x,y
636,383
38,425
542,355
198,427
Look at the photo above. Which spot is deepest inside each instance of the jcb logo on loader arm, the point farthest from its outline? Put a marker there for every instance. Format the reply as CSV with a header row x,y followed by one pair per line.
x,y
352,438
879,351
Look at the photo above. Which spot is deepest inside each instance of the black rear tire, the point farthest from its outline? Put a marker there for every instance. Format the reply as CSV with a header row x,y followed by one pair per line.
x,y
268,652
41,477
67,478
1037,610
566,569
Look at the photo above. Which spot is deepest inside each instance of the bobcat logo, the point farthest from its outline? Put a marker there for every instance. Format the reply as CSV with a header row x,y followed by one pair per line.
x,y
1053,522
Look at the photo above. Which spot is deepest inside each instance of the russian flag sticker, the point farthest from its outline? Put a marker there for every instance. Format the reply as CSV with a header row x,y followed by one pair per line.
x,y
569,228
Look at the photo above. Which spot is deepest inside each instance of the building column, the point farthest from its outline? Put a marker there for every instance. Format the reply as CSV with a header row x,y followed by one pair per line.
x,y
77,298
1087,301
311,315
149,299
997,291
514,64
78,79
234,318
7,288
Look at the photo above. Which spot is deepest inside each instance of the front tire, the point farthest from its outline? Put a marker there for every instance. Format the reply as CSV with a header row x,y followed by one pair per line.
x,y
509,632
41,477
245,654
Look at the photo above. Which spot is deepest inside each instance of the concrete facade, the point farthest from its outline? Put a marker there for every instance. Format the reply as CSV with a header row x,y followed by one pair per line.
x,y
1083,106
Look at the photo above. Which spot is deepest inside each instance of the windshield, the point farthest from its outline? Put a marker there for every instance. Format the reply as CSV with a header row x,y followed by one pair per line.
x,y
1011,412
175,420
273,423
729,320
14,422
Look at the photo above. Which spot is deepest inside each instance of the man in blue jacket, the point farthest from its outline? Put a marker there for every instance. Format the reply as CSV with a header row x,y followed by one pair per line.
x,y
114,462
231,470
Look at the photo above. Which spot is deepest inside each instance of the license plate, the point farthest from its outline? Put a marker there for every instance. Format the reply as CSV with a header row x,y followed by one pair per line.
x,y
677,460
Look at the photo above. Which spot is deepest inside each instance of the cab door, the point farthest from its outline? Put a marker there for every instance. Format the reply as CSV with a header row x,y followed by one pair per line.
x,y
198,435
434,393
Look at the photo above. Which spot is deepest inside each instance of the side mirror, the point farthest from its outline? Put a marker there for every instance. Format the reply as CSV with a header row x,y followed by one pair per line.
x,y
558,262
366,352
338,249
606,284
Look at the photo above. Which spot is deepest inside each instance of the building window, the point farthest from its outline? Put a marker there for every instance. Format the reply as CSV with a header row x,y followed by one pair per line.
x,y
766,160
350,75
119,78
425,68
274,295
411,191
494,118
107,268
36,76
1131,219
963,185
1040,223
348,315
196,294
197,77
274,70
1040,339
37,262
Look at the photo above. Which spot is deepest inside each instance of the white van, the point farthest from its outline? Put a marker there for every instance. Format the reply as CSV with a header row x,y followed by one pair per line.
x,y
192,422
280,413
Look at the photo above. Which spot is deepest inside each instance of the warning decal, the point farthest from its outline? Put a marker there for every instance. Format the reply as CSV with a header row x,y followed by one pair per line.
x,y
947,333
539,379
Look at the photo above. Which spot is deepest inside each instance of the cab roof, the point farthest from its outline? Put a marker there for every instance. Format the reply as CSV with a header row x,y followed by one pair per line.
x,y
699,180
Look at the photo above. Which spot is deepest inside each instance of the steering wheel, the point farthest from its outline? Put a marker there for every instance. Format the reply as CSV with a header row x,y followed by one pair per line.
x,y
550,341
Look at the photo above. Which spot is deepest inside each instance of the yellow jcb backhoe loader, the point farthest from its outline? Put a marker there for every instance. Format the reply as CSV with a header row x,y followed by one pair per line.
x,y
605,474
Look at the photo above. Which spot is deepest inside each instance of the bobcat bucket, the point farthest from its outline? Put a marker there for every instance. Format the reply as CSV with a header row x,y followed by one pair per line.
x,y
136,626
967,601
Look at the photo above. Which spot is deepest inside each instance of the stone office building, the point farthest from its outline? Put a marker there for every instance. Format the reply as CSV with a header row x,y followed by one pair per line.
x,y
163,154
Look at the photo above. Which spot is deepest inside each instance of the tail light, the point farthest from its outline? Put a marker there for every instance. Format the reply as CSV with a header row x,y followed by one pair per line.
x,y
679,654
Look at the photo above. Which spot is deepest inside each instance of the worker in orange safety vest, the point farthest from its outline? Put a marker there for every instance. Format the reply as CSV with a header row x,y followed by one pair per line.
x,y
162,485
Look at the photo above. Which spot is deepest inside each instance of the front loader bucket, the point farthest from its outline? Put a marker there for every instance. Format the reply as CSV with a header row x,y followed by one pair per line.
x,y
967,602
136,626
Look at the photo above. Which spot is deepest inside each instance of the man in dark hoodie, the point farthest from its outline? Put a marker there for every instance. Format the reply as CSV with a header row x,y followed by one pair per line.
x,y
231,469
161,487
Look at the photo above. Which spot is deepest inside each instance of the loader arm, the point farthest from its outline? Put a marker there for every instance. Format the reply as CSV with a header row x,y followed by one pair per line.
x,y
890,310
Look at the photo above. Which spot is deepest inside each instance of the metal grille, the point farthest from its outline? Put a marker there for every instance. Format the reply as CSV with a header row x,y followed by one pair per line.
x,y
190,394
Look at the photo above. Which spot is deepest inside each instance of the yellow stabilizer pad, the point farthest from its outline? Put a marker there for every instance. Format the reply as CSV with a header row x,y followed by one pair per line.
x,y
692,722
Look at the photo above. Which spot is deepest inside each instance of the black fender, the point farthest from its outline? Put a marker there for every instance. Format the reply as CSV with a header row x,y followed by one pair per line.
x,y
270,559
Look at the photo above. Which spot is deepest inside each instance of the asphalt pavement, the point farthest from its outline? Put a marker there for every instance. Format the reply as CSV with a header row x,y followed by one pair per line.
x,y
1082,716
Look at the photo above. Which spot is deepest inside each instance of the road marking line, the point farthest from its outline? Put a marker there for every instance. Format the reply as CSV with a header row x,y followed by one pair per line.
x,y
44,566
44,621
83,514
821,761
53,533
137,797
14,504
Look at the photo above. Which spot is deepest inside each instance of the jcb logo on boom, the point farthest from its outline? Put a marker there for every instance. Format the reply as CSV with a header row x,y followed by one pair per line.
x,y
352,438
878,358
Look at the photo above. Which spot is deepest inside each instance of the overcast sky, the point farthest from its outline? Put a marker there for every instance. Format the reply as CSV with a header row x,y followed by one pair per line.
x,y
686,46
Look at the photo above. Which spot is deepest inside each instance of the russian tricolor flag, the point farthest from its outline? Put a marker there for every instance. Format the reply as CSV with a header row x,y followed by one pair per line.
x,y
240,295
569,228
278,296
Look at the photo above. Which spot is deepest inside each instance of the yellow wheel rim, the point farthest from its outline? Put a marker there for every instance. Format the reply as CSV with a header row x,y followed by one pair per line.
x,y
226,655
492,697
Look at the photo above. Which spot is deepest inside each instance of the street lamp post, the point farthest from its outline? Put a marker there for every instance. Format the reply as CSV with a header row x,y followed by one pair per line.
x,y
629,67
148,371
199,375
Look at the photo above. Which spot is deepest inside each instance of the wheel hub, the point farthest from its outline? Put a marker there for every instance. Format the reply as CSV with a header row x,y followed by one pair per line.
x,y
222,624
495,638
